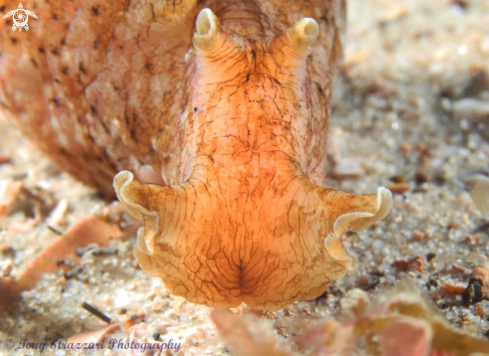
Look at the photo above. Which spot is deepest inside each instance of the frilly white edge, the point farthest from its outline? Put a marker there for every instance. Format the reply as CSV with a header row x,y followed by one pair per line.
x,y
146,234
357,221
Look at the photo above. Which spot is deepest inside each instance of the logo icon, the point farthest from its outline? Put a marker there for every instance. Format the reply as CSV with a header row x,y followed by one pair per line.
x,y
21,17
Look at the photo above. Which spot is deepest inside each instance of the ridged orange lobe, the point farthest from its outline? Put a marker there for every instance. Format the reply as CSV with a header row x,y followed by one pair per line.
x,y
245,221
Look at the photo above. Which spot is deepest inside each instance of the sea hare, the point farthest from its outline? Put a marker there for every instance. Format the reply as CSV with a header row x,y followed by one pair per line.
x,y
233,119
246,223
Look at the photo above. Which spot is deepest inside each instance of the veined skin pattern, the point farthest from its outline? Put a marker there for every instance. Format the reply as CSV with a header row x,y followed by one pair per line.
x,y
226,104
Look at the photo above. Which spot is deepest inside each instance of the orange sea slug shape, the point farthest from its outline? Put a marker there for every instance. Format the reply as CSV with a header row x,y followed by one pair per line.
x,y
246,221
230,121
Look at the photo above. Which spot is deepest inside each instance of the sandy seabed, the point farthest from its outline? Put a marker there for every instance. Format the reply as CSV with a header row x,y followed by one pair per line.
x,y
399,120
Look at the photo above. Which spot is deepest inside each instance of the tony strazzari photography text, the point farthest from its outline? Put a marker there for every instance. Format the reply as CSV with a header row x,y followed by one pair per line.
x,y
113,344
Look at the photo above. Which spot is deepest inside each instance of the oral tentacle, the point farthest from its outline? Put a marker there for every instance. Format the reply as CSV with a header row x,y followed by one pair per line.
x,y
210,37
303,35
290,50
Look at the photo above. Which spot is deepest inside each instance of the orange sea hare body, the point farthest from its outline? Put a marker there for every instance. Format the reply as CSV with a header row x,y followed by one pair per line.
x,y
234,121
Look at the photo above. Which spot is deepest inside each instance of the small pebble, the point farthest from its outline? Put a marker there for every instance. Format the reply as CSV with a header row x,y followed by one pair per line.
x,y
57,214
378,245
479,309
452,225
406,147
72,272
55,229
399,188
108,250
355,302
6,268
481,273
454,289
150,295
457,270
5,159
470,108
128,323
282,332
348,168
394,12
430,256
6,249
156,336
60,262
418,236
473,178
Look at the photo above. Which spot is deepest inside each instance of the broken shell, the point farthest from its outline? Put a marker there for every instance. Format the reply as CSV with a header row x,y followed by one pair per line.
x,y
470,108
480,195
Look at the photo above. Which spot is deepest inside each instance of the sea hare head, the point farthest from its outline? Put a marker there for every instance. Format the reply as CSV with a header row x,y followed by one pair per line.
x,y
246,221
